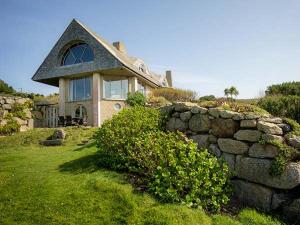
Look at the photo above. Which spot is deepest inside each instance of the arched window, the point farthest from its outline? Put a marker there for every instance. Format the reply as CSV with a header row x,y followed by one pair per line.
x,y
142,68
77,53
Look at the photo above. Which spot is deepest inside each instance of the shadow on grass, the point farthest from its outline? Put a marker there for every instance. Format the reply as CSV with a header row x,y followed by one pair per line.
x,y
86,164
84,146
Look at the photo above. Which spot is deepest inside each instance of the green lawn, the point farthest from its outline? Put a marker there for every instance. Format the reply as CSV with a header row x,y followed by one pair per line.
x,y
63,185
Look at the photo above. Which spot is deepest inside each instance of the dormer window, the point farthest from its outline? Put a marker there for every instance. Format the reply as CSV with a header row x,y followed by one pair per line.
x,y
78,53
142,68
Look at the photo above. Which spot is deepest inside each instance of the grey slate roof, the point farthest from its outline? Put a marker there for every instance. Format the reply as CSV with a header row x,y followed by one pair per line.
x,y
106,56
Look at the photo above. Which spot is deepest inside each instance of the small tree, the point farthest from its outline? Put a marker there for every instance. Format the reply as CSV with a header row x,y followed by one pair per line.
x,y
233,91
226,92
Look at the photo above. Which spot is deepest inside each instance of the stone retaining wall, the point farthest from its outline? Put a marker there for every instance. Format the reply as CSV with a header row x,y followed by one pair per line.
x,y
236,138
6,105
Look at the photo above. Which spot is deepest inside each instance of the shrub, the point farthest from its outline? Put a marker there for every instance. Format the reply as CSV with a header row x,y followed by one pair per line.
x,y
5,88
174,94
173,169
136,99
10,127
157,101
207,98
285,106
287,88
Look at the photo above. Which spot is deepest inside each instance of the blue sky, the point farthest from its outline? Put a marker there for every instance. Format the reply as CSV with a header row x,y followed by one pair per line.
x,y
208,45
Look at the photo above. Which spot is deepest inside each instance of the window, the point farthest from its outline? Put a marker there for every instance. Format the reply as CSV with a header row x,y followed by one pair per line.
x,y
142,68
77,53
80,89
115,89
80,112
141,88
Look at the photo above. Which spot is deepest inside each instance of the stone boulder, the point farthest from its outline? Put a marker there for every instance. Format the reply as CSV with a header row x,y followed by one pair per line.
x,y
272,137
199,123
214,112
185,116
232,146
238,116
54,142
269,128
230,160
183,106
176,124
248,123
292,211
226,114
201,140
248,135
224,127
59,134
254,195
214,149
293,141
271,119
263,151
258,171
198,109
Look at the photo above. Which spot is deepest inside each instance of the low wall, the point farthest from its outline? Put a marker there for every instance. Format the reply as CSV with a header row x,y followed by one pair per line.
x,y
236,138
6,105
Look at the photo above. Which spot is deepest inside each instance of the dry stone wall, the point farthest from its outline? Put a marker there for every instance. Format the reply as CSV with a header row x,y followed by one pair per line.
x,y
236,138
6,105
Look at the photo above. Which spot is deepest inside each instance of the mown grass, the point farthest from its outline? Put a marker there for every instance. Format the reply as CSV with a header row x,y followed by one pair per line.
x,y
64,185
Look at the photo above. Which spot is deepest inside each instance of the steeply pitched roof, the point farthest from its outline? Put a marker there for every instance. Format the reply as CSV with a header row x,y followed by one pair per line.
x,y
112,57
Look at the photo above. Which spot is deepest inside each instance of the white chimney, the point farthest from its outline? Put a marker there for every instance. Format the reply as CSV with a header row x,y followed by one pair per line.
x,y
169,78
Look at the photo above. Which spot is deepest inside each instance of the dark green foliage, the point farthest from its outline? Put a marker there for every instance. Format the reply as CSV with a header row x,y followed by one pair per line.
x,y
207,98
5,88
173,169
136,99
285,106
10,127
287,88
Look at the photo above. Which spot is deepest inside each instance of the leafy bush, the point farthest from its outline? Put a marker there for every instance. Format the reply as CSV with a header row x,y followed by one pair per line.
x,y
5,88
285,106
172,168
207,98
157,101
174,94
136,99
10,127
287,88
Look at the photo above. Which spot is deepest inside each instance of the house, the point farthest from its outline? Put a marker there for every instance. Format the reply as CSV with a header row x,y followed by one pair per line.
x,y
93,75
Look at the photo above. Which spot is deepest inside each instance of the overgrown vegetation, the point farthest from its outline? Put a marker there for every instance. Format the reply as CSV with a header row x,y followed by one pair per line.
x,y
207,98
11,125
172,168
286,88
284,106
286,153
136,99
175,94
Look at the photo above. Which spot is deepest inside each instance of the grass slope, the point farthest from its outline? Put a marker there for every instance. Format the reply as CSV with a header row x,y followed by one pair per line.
x,y
63,185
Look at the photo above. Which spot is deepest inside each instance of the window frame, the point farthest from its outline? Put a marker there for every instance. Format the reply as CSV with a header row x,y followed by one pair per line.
x,y
109,80
72,96
69,51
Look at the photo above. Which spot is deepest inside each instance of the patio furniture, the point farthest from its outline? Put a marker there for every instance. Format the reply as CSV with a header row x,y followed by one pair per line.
x,y
61,121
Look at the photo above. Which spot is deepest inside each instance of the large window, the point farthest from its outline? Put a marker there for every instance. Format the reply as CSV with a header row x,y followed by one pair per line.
x,y
115,89
77,53
80,89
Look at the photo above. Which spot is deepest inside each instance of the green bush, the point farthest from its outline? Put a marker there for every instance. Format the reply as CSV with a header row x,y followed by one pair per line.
x,y
172,168
287,88
136,99
174,94
10,127
207,98
284,106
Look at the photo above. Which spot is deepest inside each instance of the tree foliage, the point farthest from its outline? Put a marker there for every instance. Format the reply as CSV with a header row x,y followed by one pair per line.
x,y
286,88
5,88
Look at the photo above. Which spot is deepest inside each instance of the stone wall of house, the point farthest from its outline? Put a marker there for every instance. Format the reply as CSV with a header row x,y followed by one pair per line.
x,y
6,105
236,137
